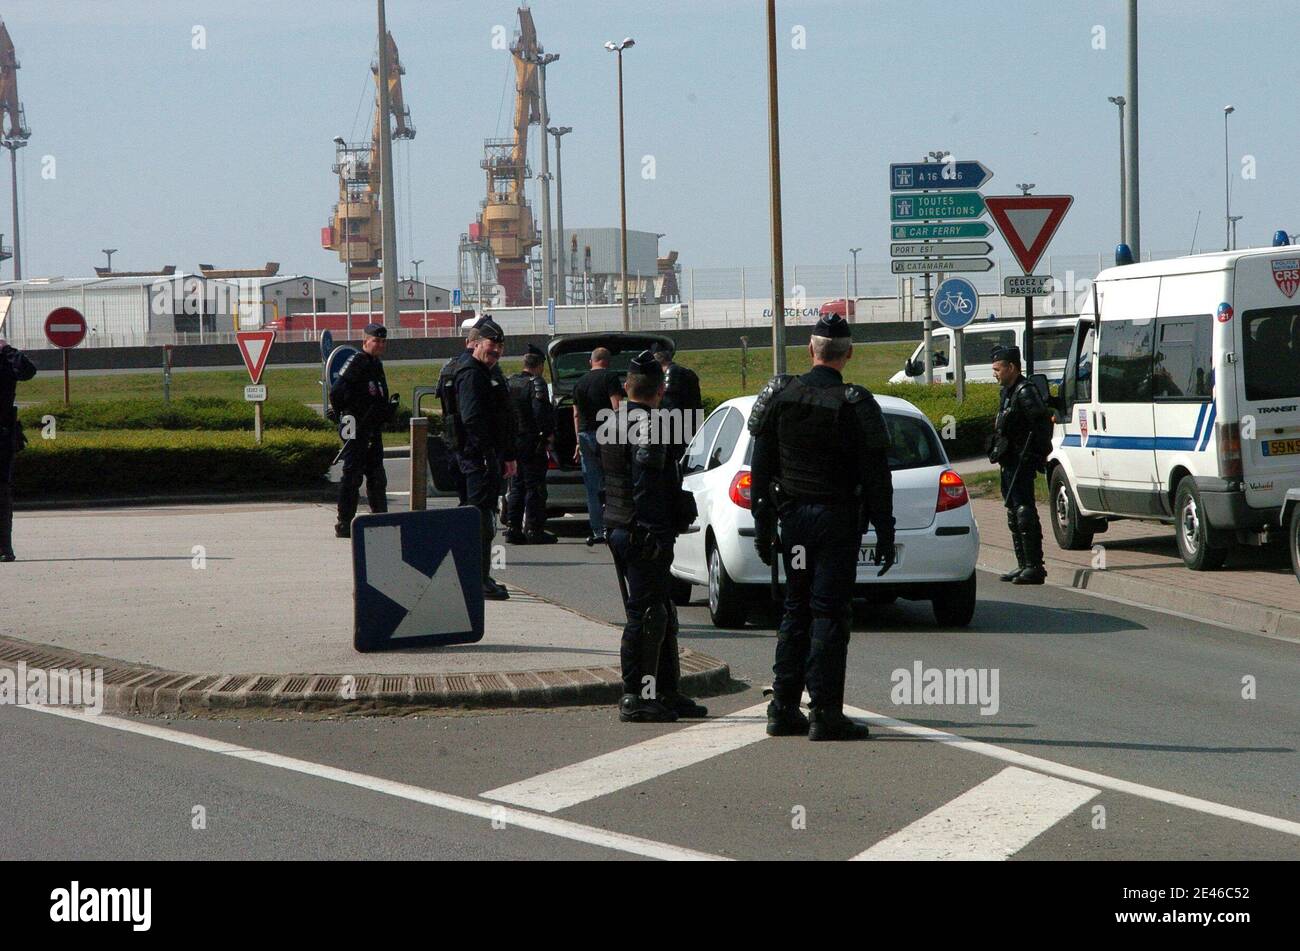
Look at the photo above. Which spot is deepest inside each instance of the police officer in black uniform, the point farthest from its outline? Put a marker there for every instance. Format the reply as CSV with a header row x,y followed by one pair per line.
x,y
645,509
821,469
361,405
15,368
476,401
534,425
1019,449
682,394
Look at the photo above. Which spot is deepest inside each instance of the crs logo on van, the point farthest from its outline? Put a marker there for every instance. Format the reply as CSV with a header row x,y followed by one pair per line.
x,y
1083,427
1286,274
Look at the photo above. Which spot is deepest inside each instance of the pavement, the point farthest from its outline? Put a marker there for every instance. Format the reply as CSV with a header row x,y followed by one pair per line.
x,y
194,608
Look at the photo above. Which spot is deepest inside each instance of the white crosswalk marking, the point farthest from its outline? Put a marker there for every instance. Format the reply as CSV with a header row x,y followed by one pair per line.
x,y
991,821
570,785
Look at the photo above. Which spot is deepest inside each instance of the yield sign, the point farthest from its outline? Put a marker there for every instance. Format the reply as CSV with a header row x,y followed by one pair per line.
x,y
255,347
1027,223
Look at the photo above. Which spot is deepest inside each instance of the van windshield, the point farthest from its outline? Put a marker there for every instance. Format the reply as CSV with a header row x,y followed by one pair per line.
x,y
1272,353
1053,343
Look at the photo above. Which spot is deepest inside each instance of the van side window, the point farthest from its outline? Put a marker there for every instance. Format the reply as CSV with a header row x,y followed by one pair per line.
x,y
977,348
1182,365
1053,343
1271,340
1124,361
1083,375
940,347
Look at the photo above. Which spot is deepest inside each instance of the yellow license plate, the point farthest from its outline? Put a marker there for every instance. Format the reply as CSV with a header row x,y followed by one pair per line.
x,y
1282,447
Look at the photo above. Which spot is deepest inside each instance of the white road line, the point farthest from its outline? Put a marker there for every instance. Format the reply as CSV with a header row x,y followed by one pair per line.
x,y
469,807
1017,758
602,775
989,822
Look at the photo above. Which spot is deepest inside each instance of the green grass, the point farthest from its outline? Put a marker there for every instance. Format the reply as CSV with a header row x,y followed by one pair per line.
x,y
988,485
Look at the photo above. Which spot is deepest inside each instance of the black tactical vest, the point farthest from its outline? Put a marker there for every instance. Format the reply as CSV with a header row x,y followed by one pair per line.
x,y
521,404
813,467
616,461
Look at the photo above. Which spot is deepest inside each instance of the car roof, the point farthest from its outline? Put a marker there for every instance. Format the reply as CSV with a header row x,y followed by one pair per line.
x,y
888,404
1194,263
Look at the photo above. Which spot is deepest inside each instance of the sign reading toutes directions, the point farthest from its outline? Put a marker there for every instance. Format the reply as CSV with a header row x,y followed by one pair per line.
x,y
416,579
943,206
254,348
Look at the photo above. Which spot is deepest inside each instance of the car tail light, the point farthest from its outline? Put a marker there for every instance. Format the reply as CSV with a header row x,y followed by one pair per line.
x,y
552,461
1229,450
952,491
740,488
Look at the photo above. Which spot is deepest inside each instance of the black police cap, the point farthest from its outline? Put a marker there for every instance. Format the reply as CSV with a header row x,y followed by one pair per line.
x,y
376,330
644,364
535,350
487,327
1006,355
832,325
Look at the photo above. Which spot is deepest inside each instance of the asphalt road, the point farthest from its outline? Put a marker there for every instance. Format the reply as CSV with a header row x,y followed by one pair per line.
x,y
1119,733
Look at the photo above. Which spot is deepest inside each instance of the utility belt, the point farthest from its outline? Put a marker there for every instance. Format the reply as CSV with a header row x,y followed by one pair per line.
x,y
787,501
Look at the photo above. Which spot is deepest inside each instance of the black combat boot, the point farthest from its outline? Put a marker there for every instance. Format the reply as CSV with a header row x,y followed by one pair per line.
x,y
1019,544
635,709
830,723
1031,530
515,536
6,524
785,719
540,536
494,591
342,530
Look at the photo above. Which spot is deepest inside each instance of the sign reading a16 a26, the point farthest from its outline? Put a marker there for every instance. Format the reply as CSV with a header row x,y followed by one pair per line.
x,y
941,206
908,176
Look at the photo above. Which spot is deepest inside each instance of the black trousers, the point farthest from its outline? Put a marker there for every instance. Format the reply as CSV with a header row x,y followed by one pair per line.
x,y
526,501
649,646
363,458
482,489
6,498
820,551
1019,492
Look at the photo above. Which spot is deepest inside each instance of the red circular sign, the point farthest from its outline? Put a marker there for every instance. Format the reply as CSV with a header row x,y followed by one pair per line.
x,y
65,327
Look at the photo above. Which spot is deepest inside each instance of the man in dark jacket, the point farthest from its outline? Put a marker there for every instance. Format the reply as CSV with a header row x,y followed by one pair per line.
x,y
1022,414
681,396
361,405
15,368
534,425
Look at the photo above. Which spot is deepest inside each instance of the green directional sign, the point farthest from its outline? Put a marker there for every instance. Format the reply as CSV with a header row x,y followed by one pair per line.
x,y
942,206
940,232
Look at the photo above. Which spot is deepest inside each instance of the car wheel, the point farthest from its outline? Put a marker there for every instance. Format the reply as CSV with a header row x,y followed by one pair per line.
x,y
1196,540
954,603
1073,532
1295,541
681,592
726,601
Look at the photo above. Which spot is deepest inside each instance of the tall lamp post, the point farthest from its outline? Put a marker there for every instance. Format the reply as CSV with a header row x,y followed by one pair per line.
x,y
774,181
562,251
618,48
1123,183
340,147
1227,183
109,252
854,252
541,61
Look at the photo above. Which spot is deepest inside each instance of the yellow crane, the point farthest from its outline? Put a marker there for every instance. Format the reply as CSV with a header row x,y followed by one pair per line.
x,y
355,228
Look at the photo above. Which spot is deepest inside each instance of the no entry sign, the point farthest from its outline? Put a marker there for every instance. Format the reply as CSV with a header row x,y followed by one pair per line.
x,y
65,327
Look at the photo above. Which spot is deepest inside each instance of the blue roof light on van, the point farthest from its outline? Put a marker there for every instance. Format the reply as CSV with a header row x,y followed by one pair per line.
x,y
1281,239
1123,255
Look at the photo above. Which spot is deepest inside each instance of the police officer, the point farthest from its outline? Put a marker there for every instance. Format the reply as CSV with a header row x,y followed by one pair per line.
x,y
645,509
821,469
681,394
361,405
477,402
534,425
1019,450
15,368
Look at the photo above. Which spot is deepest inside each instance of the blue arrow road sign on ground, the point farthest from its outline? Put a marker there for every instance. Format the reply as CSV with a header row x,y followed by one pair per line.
x,y
956,302
914,176
416,579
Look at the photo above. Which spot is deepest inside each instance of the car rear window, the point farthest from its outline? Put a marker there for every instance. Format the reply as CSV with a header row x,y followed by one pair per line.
x,y
1272,353
572,367
913,444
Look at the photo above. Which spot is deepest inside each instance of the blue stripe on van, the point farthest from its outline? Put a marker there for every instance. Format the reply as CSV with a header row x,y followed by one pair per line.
x,y
1196,443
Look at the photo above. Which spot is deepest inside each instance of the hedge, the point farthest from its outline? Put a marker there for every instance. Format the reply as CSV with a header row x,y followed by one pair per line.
x,y
211,413
133,463
972,420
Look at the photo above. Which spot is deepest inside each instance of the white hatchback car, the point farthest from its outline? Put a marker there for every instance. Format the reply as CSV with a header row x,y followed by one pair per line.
x,y
937,539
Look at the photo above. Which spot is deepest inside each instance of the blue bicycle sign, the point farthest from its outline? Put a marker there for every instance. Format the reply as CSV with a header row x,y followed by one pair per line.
x,y
956,302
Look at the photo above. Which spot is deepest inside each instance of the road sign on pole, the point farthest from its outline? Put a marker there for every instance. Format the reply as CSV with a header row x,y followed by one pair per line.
x,y
956,302
915,249
1027,285
914,176
1028,222
255,347
936,206
65,328
939,265
939,232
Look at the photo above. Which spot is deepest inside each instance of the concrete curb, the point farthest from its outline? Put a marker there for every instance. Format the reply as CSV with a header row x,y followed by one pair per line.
x,y
141,689
1232,612
328,492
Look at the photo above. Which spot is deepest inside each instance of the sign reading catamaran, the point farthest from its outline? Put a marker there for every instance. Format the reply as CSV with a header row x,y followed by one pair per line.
x,y
1181,402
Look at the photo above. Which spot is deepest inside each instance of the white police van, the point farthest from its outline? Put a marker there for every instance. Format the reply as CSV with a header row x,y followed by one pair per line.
x,y
1181,402
1052,336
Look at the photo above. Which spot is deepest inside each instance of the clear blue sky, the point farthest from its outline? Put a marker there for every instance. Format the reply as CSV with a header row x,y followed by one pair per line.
x,y
222,155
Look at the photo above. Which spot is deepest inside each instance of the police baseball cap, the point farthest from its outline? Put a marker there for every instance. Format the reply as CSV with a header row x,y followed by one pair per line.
x,y
376,330
535,350
489,328
1006,355
832,325
644,364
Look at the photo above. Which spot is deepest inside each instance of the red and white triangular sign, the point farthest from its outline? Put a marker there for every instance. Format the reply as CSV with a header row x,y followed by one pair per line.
x,y
255,347
1027,223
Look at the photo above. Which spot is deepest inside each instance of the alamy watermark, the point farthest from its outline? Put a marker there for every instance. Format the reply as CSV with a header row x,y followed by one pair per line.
x,y
57,687
948,687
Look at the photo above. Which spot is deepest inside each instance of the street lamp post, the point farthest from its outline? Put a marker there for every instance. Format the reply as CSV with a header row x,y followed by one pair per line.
x,y
774,181
109,252
541,61
340,147
1228,243
560,269
622,170
1123,184
854,252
